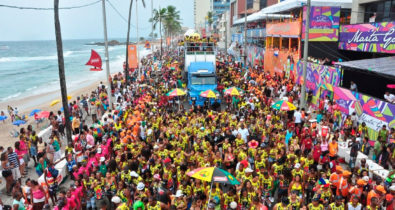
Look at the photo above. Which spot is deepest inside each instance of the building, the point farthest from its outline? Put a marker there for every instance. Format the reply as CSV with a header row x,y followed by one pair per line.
x,y
201,8
365,11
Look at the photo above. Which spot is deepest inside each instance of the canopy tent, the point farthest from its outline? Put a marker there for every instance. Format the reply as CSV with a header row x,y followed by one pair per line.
x,y
292,4
370,75
384,65
260,16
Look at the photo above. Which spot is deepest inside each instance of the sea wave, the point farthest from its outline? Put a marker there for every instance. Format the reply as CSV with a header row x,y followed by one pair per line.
x,y
34,58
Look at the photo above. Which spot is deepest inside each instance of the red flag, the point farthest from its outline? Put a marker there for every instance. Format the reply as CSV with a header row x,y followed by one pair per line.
x,y
95,61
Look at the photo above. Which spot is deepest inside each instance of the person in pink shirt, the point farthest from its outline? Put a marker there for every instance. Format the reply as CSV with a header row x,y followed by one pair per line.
x,y
90,140
21,153
71,199
62,203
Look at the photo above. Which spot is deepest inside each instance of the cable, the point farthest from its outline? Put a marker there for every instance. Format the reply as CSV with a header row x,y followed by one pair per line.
x,y
48,8
122,17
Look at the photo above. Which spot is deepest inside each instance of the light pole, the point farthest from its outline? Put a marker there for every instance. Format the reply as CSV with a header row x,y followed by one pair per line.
x,y
305,54
106,54
138,40
245,34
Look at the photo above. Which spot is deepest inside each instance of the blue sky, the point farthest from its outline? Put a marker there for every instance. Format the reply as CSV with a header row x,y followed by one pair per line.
x,y
83,23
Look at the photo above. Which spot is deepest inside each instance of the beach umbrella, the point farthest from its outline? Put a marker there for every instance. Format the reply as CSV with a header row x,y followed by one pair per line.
x,y
19,122
283,105
213,174
176,92
233,91
208,94
69,97
3,118
54,102
32,113
44,114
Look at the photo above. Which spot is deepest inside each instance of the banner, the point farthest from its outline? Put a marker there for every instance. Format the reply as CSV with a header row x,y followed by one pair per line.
x,y
280,61
132,56
374,112
324,23
255,55
285,29
369,37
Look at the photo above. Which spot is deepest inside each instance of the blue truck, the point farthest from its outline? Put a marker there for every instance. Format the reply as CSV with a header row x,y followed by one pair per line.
x,y
199,70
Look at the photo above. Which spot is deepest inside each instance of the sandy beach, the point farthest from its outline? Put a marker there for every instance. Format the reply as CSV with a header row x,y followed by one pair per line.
x,y
41,101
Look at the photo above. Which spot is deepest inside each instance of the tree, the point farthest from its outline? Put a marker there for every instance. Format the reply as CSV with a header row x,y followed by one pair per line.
x,y
210,19
172,21
127,39
159,16
142,39
62,78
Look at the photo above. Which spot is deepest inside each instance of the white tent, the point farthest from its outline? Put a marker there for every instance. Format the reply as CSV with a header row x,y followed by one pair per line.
x,y
189,32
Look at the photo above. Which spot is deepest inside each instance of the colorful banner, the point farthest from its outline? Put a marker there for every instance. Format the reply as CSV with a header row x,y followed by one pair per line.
x,y
374,112
280,61
324,23
132,56
285,29
318,76
369,37
255,55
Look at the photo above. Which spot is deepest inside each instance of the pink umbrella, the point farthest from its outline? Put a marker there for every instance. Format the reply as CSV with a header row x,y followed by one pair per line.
x,y
44,114
391,86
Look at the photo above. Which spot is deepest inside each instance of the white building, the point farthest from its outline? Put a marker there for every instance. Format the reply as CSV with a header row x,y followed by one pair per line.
x,y
201,8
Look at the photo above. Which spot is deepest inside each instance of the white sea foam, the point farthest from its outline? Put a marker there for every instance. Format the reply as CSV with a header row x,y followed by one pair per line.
x,y
34,58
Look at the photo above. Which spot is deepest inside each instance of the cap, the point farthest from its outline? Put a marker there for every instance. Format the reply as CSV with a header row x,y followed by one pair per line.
x,y
366,178
134,174
156,147
346,173
233,205
389,197
339,168
102,159
116,199
381,188
297,165
249,170
179,193
140,186
167,160
392,188
361,182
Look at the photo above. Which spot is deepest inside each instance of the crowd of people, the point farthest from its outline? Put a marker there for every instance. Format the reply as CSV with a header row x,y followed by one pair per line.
x,y
137,152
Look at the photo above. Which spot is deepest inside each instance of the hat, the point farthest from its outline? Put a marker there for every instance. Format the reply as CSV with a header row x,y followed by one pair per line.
x,y
233,205
249,170
392,188
102,159
156,147
346,173
179,193
116,199
389,197
381,188
167,160
297,165
339,168
140,186
361,182
99,150
366,178
157,177
253,144
133,174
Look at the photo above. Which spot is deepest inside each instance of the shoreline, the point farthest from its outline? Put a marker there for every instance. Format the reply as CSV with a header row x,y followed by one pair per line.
x,y
42,101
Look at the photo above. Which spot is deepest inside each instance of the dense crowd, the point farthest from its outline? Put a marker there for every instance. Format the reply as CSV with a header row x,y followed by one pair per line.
x,y
136,153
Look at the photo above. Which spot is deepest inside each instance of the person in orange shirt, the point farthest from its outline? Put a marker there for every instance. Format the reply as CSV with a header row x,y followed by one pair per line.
x,y
379,193
342,188
335,178
357,189
333,149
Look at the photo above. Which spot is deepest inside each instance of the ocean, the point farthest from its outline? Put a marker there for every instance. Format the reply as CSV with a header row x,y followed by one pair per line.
x,y
31,67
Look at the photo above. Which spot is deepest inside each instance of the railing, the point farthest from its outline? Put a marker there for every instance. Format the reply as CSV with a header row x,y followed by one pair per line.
x,y
199,48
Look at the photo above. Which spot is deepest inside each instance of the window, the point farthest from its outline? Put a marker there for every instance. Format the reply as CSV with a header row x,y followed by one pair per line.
x,y
203,80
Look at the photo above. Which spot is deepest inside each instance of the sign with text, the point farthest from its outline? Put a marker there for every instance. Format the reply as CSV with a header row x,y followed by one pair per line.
x,y
283,29
132,56
324,23
369,37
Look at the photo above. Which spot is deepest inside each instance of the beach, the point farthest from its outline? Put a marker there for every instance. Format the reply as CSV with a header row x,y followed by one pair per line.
x,y
41,101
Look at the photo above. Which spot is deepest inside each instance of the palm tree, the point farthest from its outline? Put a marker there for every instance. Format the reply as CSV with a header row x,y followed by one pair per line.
x,y
210,20
62,78
159,16
172,22
127,38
